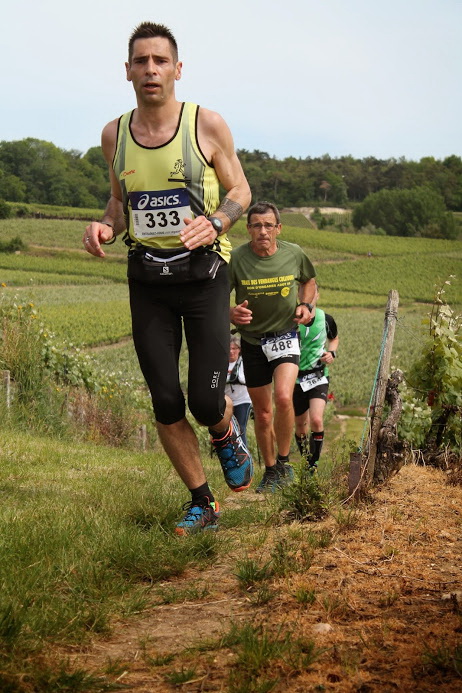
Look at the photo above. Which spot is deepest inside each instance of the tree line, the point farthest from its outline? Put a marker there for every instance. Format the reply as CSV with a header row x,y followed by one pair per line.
x,y
36,171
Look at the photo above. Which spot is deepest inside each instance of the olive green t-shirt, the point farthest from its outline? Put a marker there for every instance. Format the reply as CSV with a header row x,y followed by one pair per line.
x,y
270,285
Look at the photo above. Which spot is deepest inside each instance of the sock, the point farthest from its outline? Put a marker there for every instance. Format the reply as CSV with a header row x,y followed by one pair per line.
x,y
201,494
316,441
272,471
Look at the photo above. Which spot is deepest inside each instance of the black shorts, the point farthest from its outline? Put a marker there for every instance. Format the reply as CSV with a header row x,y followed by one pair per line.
x,y
302,399
159,316
258,370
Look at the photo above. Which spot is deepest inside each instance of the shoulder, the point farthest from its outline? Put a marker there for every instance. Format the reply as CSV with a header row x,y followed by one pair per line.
x,y
210,121
213,133
109,139
331,325
292,248
110,130
241,250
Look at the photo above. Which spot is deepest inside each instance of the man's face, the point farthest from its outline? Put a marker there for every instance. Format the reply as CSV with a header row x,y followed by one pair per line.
x,y
263,230
153,70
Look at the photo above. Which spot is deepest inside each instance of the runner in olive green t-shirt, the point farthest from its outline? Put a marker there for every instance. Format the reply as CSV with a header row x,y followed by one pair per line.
x,y
269,276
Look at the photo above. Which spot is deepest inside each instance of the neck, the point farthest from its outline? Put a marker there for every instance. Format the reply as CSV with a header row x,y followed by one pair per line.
x,y
152,118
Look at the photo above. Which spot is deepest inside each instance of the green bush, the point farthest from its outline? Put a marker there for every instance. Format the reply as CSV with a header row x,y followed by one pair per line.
x,y
432,398
417,211
13,245
5,210
50,378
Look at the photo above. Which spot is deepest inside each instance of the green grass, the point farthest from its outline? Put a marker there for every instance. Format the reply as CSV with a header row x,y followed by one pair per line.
x,y
86,534
67,285
82,325
64,263
60,213
414,278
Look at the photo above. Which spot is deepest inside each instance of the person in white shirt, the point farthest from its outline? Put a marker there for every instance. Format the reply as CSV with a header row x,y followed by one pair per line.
x,y
236,388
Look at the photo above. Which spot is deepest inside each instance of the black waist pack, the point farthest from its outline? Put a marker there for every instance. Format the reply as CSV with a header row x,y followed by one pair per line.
x,y
179,266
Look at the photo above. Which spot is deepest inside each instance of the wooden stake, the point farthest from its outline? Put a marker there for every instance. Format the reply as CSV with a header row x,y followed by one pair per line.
x,y
391,315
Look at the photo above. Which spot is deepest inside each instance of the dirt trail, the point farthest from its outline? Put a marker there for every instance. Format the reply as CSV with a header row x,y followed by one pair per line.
x,y
382,586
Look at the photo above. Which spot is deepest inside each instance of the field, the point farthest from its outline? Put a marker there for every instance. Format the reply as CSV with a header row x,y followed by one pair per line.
x,y
84,300
97,592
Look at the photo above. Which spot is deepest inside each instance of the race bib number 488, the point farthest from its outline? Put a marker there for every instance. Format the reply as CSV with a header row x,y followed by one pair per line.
x,y
159,213
284,345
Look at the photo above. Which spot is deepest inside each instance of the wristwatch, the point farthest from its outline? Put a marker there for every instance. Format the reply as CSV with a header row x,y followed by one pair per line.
x,y
334,354
217,225
308,305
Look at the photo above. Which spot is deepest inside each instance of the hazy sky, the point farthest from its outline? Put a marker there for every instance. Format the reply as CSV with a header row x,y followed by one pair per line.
x,y
293,78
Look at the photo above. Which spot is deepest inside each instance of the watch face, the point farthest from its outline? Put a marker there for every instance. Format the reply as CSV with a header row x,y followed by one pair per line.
x,y
217,225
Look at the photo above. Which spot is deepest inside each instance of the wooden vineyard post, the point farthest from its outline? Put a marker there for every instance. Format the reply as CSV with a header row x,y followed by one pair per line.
x,y
391,315
143,437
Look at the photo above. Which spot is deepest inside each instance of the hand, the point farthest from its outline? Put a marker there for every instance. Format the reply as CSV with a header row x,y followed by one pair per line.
x,y
303,315
95,234
327,358
240,314
197,232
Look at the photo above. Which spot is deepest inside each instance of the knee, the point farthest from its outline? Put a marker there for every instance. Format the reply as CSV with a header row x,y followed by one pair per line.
x,y
317,423
168,410
263,417
206,413
283,401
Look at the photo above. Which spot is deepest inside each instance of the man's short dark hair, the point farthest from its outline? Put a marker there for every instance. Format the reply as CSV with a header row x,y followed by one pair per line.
x,y
151,30
263,208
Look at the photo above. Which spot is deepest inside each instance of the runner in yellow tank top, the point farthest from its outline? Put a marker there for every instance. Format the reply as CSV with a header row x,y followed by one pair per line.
x,y
163,185
166,160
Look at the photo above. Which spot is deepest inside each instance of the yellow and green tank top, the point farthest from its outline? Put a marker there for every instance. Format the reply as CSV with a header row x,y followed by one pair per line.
x,y
163,185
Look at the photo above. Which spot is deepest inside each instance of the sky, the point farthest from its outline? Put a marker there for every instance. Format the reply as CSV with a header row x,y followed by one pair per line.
x,y
298,78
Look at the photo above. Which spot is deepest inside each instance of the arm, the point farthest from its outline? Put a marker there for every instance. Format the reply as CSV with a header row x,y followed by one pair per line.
x,y
217,144
332,340
306,294
99,232
332,345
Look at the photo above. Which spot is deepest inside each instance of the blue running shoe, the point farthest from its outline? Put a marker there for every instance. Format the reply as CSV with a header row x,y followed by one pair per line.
x,y
274,478
235,459
198,518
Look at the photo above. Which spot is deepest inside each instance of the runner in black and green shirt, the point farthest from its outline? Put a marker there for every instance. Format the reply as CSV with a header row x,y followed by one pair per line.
x,y
310,392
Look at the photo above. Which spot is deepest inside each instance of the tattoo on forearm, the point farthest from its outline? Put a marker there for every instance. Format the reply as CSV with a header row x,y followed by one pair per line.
x,y
233,210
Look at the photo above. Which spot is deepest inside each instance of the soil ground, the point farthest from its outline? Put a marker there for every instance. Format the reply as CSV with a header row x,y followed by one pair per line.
x,y
387,604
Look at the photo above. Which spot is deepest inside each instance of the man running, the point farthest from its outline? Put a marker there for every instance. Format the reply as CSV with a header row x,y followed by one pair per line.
x,y
318,349
166,161
268,274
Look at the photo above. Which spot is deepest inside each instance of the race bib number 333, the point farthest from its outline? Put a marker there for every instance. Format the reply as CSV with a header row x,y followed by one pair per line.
x,y
284,345
159,213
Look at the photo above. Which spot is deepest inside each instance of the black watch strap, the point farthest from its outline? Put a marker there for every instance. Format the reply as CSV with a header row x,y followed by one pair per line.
x,y
217,225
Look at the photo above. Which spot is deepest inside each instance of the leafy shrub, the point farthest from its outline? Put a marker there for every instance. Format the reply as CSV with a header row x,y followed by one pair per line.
x,y
432,405
52,379
13,245
5,210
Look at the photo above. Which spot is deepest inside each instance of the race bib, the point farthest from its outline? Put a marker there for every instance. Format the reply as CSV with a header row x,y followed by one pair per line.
x,y
159,213
285,345
312,380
